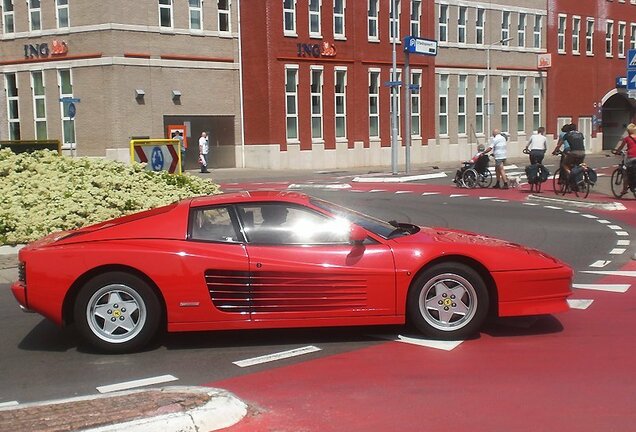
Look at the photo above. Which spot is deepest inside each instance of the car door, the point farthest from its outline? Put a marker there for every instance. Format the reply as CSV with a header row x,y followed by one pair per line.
x,y
305,267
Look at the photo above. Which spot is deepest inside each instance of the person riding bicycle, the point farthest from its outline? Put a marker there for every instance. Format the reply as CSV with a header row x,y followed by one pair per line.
x,y
537,145
630,160
576,142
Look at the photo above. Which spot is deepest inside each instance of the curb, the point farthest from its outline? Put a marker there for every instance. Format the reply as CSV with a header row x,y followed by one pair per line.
x,y
10,250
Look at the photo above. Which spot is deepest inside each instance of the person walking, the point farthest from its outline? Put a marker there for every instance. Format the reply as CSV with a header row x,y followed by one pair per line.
x,y
537,145
204,148
183,147
499,148
630,161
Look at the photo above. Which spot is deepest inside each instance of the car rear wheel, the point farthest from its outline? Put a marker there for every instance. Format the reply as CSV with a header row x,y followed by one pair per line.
x,y
117,312
448,301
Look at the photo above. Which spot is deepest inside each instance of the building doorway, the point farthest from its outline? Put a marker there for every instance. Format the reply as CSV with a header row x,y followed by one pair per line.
x,y
618,111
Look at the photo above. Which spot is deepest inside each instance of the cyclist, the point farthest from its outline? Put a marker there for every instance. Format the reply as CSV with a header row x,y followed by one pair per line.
x,y
576,155
537,145
630,161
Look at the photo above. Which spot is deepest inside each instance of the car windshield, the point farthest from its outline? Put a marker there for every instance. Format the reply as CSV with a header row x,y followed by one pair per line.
x,y
376,226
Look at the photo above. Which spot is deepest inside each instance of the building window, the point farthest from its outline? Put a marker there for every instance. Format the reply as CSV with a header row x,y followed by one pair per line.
x,y
340,93
7,16
13,111
576,30
609,35
314,18
479,26
461,24
165,13
589,37
316,103
521,30
396,101
289,17
224,16
39,104
461,105
561,34
505,27
196,15
443,104
291,102
394,21
35,15
479,105
61,13
442,27
372,20
65,83
339,18
632,36
536,31
374,103
505,103
621,39
416,16
416,81
536,104
521,105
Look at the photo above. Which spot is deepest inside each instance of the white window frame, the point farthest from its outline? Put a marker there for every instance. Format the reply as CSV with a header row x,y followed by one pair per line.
x,y
8,16
416,17
632,36
462,12
442,89
315,13
36,97
339,12
289,11
225,13
394,21
479,104
192,10
462,86
60,7
537,31
15,98
589,36
64,109
442,23
521,29
521,104
416,109
609,38
536,103
576,32
505,104
480,24
562,26
505,27
372,21
374,94
622,28
34,10
340,98
316,117
289,114
169,6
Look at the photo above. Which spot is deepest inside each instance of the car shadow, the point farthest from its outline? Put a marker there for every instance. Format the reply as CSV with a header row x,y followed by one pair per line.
x,y
46,336
523,326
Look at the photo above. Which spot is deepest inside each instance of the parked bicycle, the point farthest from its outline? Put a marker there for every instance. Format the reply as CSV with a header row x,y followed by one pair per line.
x,y
536,174
580,180
621,174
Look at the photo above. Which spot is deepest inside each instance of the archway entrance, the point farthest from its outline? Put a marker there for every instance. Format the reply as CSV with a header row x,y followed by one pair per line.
x,y
618,111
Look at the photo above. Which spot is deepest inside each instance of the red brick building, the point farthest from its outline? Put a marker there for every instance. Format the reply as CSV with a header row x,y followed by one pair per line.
x,y
314,75
588,42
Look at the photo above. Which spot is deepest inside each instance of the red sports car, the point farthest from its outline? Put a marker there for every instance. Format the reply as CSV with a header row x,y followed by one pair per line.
x,y
277,259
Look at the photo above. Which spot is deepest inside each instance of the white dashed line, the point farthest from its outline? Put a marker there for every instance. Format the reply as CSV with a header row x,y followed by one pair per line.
x,y
622,243
603,287
136,383
377,190
600,264
457,195
615,227
403,191
603,221
484,198
572,211
531,204
276,356
430,193
622,233
579,304
9,404
500,200
553,207
617,251
589,216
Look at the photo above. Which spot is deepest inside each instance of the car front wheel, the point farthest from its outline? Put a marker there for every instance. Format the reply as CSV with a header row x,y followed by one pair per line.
x,y
117,312
448,301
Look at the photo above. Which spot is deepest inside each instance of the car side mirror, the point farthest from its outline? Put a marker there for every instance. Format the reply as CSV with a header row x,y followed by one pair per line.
x,y
357,235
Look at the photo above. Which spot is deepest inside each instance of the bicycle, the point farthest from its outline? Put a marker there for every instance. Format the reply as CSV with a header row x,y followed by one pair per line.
x,y
619,175
536,174
563,183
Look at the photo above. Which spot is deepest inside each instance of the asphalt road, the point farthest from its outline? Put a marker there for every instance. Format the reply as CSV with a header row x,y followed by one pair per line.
x,y
40,361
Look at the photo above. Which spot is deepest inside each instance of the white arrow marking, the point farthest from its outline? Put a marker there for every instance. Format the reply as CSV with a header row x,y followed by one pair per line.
x,y
580,304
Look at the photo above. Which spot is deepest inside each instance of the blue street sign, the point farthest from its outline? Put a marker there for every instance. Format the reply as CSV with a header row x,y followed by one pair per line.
x,y
69,99
631,79
415,45
621,82
631,59
72,110
392,83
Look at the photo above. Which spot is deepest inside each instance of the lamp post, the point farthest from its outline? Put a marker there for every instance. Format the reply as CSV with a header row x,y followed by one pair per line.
x,y
394,90
488,102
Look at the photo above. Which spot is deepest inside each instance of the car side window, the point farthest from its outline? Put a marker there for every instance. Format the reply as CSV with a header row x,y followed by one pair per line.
x,y
282,223
212,224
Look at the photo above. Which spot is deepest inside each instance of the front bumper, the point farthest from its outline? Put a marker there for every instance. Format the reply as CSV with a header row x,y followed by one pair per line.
x,y
19,292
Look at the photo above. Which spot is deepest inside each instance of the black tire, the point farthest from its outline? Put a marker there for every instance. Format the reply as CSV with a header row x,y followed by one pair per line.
x,y
583,188
617,182
452,289
470,178
485,180
555,183
117,312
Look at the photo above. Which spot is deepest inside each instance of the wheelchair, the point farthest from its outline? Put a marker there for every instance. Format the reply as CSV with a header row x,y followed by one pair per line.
x,y
474,175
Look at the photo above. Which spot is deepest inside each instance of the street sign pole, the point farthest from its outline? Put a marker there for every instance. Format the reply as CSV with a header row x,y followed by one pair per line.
x,y
394,131
407,113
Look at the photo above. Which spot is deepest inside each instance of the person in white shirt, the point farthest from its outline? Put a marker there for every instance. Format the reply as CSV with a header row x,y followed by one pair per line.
x,y
499,147
537,145
204,147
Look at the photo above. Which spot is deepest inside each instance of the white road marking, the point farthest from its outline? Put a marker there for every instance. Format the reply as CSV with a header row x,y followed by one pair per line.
x,y
429,343
552,207
276,356
622,233
457,195
377,190
403,191
136,383
625,273
589,216
600,264
430,193
617,251
319,186
622,243
9,404
579,304
500,200
572,211
603,287
530,204
615,227
603,221
483,198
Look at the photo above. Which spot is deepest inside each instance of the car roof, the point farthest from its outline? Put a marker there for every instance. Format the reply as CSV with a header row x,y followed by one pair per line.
x,y
249,196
